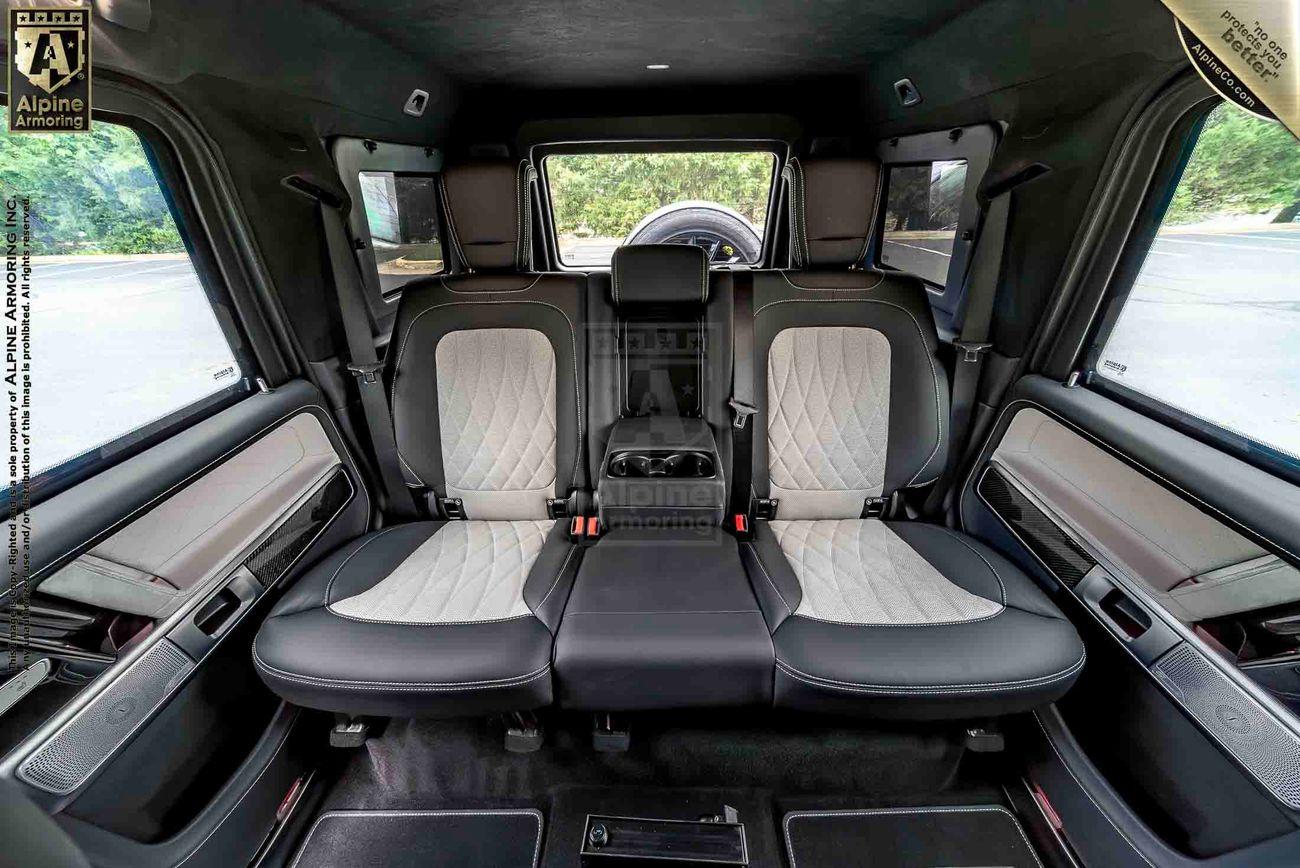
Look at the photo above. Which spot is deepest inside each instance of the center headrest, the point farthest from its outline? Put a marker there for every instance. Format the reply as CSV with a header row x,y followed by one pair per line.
x,y
487,203
659,273
833,207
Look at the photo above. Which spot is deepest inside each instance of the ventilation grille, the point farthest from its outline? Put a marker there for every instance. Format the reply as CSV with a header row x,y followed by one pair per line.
x,y
270,560
1062,555
65,762
1267,750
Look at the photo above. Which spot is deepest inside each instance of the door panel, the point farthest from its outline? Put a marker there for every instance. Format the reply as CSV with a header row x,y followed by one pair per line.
x,y
1145,531
167,736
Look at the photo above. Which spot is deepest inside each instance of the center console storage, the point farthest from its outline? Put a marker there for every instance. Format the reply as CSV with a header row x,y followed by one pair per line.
x,y
661,471
663,618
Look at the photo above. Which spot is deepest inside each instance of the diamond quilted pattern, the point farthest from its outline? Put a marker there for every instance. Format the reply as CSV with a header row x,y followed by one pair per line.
x,y
467,571
496,409
828,409
858,571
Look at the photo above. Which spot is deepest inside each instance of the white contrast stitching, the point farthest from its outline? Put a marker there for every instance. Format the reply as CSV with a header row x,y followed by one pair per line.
x,y
330,585
556,581
973,687
431,686
754,552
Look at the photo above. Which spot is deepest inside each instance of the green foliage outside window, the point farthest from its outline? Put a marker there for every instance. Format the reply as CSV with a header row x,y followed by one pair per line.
x,y
1241,165
90,192
607,194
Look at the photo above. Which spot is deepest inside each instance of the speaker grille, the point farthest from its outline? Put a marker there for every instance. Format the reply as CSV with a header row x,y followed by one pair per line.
x,y
65,761
277,552
1262,745
1062,555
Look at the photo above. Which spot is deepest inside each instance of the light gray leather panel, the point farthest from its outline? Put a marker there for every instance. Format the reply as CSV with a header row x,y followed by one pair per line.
x,y
828,419
469,571
496,414
186,542
1195,565
858,571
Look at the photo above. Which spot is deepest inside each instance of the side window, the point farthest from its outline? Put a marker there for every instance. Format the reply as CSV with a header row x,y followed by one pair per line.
x,y
124,340
402,214
922,209
1210,327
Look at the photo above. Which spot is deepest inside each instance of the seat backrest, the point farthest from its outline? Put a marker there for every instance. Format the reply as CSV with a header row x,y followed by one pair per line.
x,y
487,387
852,400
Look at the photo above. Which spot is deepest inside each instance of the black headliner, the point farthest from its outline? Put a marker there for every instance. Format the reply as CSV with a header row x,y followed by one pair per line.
x,y
607,43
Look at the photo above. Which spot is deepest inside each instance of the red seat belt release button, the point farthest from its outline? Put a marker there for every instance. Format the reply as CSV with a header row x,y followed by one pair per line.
x,y
742,522
593,527
576,526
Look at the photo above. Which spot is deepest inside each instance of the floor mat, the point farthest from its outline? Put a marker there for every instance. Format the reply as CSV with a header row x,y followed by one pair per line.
x,y
975,836
427,839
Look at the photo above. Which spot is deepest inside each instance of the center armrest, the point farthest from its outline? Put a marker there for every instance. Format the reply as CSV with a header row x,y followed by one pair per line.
x,y
663,619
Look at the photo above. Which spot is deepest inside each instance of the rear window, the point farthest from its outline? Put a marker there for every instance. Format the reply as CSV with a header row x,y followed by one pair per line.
x,y
124,339
402,213
922,204
1211,326
715,200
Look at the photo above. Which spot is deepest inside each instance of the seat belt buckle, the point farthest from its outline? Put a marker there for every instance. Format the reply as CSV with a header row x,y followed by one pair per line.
x,y
577,527
592,529
740,413
452,507
369,372
741,522
971,350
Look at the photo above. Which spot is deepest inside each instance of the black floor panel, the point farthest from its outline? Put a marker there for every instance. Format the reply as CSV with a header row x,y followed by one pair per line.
x,y
504,838
975,835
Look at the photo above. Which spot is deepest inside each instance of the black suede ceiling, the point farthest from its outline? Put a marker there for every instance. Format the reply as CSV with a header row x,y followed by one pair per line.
x,y
608,43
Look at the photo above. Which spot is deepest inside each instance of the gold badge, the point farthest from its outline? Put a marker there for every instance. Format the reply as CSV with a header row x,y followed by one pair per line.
x,y
49,73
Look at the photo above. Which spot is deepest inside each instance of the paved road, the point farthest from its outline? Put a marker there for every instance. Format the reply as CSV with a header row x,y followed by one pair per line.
x,y
1214,318
117,343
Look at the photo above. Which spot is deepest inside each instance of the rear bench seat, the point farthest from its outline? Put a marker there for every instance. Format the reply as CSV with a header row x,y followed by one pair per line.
x,y
840,613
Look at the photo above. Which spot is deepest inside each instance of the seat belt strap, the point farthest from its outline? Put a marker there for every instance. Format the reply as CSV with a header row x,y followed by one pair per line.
x,y
742,391
973,344
365,364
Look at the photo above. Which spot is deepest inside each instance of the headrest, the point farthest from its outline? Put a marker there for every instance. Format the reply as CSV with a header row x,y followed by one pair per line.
x,y
487,203
659,273
833,206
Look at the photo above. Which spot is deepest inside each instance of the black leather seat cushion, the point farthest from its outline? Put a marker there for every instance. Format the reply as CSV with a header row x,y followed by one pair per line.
x,y
1023,657
313,657
662,619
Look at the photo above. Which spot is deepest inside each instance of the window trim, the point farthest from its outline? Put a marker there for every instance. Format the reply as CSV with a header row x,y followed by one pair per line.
x,y
974,144
1178,148
352,156
165,163
539,153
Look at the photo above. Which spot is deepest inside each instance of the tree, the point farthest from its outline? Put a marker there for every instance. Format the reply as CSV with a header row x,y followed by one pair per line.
x,y
1241,165
90,192
608,194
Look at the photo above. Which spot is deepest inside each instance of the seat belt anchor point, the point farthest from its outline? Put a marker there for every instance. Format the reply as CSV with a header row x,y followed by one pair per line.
x,y
369,372
971,350
740,413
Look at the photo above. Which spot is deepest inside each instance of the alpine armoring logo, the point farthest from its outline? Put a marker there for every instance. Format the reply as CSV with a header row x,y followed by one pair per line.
x,y
49,70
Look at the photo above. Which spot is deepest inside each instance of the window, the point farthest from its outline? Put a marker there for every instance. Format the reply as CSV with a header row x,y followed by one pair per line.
x,y
402,213
123,336
922,207
717,200
1211,325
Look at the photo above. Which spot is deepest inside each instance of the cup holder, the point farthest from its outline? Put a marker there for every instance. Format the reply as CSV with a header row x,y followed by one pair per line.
x,y
654,465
